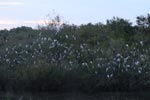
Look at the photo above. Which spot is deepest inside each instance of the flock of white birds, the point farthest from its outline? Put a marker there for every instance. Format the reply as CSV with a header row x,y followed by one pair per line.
x,y
71,54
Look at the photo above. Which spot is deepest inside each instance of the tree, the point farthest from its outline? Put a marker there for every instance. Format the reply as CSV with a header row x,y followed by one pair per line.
x,y
52,25
143,22
120,28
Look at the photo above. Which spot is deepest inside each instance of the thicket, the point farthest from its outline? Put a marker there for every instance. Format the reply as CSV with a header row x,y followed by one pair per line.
x,y
60,57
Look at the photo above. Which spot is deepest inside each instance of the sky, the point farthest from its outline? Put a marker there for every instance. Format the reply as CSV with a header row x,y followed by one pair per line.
x,y
14,13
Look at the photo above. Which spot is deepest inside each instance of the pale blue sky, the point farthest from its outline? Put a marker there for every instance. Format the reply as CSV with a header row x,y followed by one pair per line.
x,y
30,12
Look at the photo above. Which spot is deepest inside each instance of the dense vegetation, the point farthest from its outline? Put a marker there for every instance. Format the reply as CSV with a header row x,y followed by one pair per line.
x,y
60,57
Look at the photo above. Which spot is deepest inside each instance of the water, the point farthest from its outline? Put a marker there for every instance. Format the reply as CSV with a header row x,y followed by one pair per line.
x,y
74,96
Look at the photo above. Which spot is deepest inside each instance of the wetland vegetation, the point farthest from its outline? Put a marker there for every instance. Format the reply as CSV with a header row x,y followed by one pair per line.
x,y
90,58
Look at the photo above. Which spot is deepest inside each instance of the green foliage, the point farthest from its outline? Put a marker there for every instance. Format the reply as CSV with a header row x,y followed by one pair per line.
x,y
143,23
62,57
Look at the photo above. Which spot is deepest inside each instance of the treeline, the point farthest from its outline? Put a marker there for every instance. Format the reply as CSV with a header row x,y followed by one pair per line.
x,y
60,57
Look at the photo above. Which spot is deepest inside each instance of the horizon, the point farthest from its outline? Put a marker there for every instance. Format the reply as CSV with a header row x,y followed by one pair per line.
x,y
16,13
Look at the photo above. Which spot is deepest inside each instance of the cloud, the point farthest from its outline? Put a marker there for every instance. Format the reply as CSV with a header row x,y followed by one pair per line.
x,y
11,3
35,22
13,22
7,22
42,22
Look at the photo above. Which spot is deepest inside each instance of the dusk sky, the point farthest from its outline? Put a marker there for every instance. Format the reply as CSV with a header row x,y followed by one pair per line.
x,y
15,13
